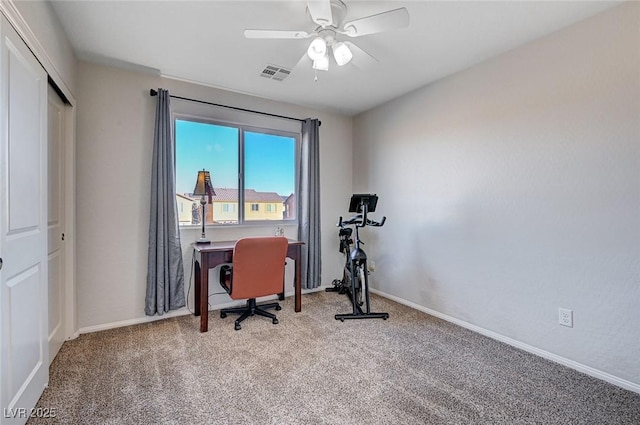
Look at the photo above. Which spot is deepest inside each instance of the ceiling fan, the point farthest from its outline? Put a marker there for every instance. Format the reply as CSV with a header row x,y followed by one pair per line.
x,y
331,32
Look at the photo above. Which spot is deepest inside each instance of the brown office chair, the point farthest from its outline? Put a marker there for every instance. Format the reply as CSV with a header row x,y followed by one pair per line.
x,y
257,271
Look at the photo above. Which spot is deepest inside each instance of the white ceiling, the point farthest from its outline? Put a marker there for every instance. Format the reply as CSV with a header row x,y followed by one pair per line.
x,y
203,41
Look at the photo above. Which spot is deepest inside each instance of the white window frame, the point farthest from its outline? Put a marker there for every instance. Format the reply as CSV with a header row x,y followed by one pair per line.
x,y
269,125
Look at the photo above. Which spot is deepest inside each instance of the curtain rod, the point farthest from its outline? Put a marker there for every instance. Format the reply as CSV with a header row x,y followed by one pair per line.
x,y
153,92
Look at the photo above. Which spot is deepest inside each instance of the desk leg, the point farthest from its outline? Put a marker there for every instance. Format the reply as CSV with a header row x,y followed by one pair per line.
x,y
298,280
204,293
196,291
281,294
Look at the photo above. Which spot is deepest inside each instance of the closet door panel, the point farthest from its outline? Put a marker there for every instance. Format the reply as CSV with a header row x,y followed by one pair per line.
x,y
24,358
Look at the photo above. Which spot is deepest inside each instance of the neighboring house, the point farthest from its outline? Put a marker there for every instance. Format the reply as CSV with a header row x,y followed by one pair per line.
x,y
262,205
185,209
225,205
289,212
257,206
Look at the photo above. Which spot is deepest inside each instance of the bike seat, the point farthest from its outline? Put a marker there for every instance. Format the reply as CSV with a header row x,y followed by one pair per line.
x,y
346,231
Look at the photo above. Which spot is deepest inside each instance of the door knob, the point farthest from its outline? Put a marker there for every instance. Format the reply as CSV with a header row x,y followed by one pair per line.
x,y
0,263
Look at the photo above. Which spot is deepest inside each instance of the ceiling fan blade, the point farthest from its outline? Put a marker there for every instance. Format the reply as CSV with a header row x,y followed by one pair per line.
x,y
275,34
320,11
361,59
385,21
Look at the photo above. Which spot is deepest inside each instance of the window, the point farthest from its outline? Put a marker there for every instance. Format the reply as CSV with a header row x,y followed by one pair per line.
x,y
253,170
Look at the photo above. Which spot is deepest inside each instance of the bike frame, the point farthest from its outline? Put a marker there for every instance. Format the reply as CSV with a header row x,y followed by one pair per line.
x,y
357,259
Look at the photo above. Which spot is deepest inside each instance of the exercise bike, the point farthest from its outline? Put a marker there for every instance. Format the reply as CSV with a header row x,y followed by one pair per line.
x,y
355,275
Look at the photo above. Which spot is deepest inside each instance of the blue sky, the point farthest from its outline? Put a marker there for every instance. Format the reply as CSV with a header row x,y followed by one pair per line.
x,y
269,159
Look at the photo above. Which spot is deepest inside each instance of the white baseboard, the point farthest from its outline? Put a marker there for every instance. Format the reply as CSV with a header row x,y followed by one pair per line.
x,y
588,370
135,321
73,335
176,313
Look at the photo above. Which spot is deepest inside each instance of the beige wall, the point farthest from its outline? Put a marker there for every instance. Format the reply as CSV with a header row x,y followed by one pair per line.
x,y
114,147
513,189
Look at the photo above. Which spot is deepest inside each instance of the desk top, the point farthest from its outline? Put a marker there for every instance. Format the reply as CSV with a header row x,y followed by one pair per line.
x,y
227,245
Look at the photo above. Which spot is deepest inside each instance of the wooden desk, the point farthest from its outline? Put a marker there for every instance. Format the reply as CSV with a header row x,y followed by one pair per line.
x,y
216,253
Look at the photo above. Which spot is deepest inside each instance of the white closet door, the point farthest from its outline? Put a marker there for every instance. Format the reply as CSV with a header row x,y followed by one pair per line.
x,y
24,352
55,192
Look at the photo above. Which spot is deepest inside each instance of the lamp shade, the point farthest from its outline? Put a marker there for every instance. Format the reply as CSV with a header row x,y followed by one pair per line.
x,y
203,185
342,53
317,49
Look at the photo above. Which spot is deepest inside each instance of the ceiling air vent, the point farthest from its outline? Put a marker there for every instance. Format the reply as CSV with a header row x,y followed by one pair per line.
x,y
274,72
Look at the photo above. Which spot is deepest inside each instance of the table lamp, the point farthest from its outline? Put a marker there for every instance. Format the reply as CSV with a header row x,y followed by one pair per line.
x,y
203,187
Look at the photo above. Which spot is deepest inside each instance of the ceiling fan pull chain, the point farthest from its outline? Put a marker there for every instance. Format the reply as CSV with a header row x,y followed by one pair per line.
x,y
315,72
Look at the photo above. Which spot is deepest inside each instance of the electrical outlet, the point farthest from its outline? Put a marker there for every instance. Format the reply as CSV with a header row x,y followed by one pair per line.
x,y
565,317
372,266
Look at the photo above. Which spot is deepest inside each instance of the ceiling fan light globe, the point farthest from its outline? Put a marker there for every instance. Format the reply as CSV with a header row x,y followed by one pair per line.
x,y
342,54
321,64
317,49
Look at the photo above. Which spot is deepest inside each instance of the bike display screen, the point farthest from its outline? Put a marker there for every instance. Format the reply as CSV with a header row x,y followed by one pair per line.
x,y
360,199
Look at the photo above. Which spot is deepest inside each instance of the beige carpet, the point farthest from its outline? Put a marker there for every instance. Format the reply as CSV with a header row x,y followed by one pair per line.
x,y
312,369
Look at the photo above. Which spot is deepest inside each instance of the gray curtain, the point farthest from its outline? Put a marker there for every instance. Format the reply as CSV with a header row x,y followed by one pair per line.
x,y
165,272
309,204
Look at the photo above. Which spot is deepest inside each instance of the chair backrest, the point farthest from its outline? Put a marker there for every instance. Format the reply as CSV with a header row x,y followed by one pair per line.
x,y
258,266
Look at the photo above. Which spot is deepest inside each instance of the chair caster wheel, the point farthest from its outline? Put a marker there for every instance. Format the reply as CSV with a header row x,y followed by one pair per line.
x,y
237,326
275,321
278,308
223,315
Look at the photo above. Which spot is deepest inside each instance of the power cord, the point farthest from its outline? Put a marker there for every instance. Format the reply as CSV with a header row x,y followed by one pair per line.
x,y
193,262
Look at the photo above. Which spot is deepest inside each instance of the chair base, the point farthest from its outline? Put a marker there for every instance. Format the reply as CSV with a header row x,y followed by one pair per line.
x,y
251,309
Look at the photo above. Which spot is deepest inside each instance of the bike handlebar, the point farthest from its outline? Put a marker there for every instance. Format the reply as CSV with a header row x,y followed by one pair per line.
x,y
377,223
357,220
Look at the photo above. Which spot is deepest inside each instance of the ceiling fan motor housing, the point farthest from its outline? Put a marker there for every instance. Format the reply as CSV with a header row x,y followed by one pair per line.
x,y
338,13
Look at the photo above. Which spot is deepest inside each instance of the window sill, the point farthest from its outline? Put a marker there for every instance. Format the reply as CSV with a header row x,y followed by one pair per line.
x,y
262,225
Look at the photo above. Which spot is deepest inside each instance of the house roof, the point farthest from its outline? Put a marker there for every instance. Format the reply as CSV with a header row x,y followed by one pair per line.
x,y
185,196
